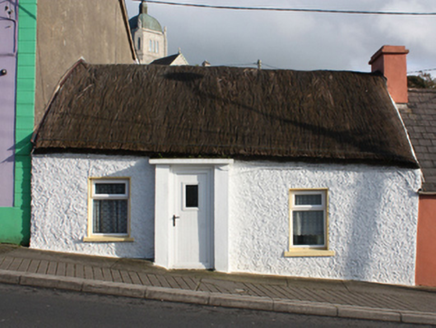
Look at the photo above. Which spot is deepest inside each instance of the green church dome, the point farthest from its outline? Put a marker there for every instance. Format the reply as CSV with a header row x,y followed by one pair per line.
x,y
144,20
149,22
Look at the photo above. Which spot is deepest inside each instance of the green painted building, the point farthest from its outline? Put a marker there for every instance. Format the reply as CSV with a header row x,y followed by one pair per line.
x,y
32,72
15,182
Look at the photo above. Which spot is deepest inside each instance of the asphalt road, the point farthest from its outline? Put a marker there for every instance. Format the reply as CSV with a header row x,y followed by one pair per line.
x,y
36,307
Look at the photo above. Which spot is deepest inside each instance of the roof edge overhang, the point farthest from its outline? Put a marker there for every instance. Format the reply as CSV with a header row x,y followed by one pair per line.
x,y
183,161
280,159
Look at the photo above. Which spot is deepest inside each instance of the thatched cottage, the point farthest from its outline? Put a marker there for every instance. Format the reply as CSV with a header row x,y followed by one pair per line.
x,y
308,174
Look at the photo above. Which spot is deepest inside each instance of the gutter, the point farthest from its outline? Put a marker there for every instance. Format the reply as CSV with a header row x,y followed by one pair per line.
x,y
427,193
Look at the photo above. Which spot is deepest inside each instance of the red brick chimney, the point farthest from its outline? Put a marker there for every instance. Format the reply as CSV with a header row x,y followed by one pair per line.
x,y
391,62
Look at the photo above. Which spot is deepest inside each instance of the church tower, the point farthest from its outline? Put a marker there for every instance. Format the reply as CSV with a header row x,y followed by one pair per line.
x,y
148,37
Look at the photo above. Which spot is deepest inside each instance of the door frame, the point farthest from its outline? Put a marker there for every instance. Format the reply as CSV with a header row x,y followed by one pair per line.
x,y
164,205
178,170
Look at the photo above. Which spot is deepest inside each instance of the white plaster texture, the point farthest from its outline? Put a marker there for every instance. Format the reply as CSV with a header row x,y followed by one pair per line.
x,y
60,203
372,220
372,214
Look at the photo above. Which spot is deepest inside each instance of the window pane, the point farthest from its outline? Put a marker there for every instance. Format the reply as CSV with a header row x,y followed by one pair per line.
x,y
308,227
110,188
192,196
308,199
110,216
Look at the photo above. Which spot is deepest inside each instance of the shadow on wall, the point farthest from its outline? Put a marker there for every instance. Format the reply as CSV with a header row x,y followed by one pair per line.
x,y
20,227
141,214
27,12
375,234
363,230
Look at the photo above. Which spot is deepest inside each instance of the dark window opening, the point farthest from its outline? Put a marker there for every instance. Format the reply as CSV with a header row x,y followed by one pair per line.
x,y
191,196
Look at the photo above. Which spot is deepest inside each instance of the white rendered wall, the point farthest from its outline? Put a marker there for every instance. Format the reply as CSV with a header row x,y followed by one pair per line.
x,y
372,218
60,203
372,215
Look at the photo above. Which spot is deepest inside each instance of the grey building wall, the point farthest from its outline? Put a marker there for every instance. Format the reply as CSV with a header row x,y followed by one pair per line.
x,y
145,43
96,30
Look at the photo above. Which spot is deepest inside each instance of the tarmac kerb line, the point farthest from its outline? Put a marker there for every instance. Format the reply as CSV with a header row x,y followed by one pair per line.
x,y
213,299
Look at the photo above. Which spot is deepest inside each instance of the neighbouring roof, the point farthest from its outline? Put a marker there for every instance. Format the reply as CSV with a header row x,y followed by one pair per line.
x,y
420,120
171,60
225,112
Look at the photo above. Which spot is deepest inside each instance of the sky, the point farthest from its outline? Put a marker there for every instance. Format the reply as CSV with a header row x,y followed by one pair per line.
x,y
295,40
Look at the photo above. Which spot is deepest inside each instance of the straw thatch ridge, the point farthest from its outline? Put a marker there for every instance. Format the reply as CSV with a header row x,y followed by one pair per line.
x,y
225,112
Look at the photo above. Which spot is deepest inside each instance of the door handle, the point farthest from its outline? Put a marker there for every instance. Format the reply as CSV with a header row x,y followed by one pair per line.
x,y
174,219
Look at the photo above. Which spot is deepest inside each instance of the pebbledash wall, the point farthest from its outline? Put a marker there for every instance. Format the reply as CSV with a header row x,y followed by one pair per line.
x,y
372,220
372,214
60,203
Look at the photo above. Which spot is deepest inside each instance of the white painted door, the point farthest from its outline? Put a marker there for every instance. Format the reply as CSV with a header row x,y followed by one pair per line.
x,y
192,220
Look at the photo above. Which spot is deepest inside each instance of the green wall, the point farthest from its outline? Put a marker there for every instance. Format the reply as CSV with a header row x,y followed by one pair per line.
x,y
15,221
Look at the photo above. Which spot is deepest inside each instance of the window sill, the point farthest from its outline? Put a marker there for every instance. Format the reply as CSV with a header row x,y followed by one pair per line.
x,y
308,252
107,239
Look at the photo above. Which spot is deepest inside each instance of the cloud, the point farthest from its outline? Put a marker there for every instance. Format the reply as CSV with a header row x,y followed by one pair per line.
x,y
292,40
417,33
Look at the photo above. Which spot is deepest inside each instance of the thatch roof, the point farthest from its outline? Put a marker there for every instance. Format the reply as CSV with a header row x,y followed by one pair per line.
x,y
225,112
420,120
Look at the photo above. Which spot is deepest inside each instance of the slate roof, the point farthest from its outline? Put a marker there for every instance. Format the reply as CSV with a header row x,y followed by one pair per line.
x,y
168,60
186,111
420,120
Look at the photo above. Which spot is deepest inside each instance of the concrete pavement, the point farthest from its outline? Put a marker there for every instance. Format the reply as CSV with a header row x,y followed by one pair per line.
x,y
141,279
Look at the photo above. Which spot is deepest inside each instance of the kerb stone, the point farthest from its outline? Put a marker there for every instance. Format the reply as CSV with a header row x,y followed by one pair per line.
x,y
306,308
177,295
245,302
118,289
10,277
418,318
357,312
37,280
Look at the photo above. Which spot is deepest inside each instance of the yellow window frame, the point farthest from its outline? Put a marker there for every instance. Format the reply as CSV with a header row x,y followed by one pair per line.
x,y
92,237
303,251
